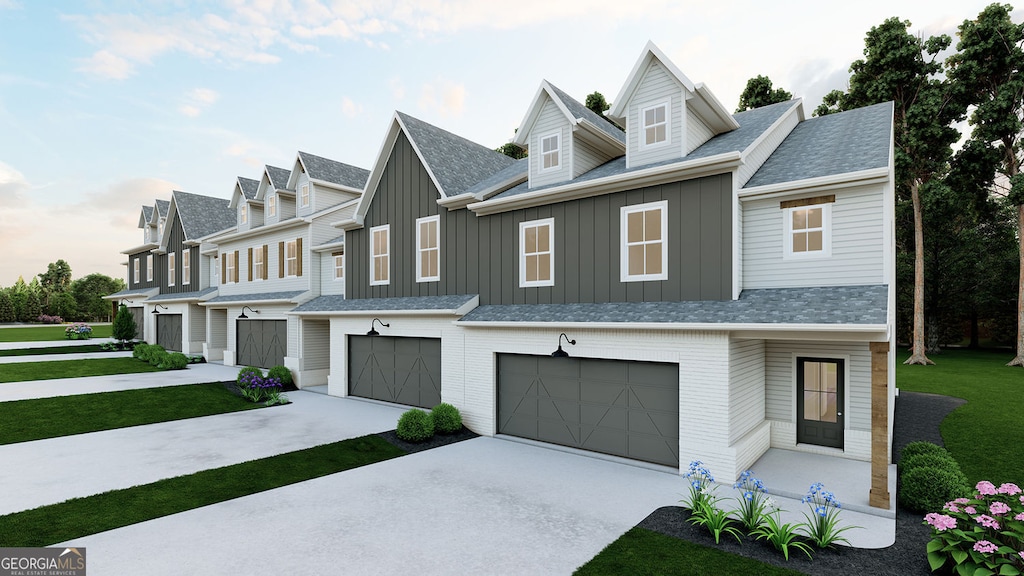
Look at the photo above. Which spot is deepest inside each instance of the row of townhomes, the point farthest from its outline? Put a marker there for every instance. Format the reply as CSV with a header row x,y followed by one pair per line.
x,y
670,283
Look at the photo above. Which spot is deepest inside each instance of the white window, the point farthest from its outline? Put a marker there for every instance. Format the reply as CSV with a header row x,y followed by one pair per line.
x,y
339,265
304,195
170,269
380,255
537,253
229,268
550,151
161,231
428,249
243,214
808,231
291,258
644,247
654,121
272,205
136,267
186,267
259,270
149,268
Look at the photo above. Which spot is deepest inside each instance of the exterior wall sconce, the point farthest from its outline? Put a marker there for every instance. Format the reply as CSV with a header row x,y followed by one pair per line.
x,y
562,353
374,332
242,316
123,300
155,306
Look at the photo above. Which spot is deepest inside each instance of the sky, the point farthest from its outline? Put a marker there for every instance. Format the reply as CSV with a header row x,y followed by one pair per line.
x,y
108,105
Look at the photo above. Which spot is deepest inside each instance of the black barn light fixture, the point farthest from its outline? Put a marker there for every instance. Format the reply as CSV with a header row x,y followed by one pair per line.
x,y
123,300
373,332
155,306
562,353
242,316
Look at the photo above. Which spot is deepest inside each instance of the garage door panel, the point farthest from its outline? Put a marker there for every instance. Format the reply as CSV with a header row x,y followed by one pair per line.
x,y
653,424
395,369
651,398
604,440
653,449
261,343
168,331
558,432
604,393
597,416
603,371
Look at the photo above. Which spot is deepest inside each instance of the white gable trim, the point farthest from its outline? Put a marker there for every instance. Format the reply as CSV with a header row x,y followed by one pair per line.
x,y
650,52
533,113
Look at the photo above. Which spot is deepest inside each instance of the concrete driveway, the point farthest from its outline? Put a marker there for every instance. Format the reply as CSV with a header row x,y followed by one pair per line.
x,y
483,506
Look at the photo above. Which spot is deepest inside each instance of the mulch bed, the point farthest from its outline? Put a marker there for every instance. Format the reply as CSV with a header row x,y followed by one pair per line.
x,y
436,441
917,418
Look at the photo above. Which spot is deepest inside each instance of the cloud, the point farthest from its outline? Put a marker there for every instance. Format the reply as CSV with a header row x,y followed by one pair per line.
x,y
198,100
106,65
443,96
350,108
397,88
13,185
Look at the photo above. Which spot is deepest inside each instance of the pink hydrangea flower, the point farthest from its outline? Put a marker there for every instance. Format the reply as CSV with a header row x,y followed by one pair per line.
x,y
985,547
1019,517
998,508
987,521
954,505
1021,554
986,488
1009,489
941,522
971,510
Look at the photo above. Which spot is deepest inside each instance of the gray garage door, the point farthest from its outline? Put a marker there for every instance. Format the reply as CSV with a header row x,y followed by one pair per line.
x,y
400,370
618,407
168,331
262,343
139,315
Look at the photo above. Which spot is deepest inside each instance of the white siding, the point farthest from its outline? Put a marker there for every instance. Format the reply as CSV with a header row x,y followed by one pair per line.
x,y
310,266
857,243
587,157
655,87
549,121
746,387
697,132
300,210
328,285
323,198
216,334
765,147
243,206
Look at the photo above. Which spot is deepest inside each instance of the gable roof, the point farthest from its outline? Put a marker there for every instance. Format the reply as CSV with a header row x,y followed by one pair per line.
x,y
828,145
331,171
248,187
716,116
278,177
575,113
162,206
201,215
147,213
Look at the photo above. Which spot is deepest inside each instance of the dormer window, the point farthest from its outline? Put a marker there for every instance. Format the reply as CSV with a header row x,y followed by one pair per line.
x,y
272,205
550,147
304,195
655,125
243,214
161,231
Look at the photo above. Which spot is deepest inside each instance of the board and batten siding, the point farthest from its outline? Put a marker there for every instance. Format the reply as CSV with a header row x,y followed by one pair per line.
x,y
746,387
175,245
656,86
780,378
857,243
697,132
142,283
272,283
479,254
550,120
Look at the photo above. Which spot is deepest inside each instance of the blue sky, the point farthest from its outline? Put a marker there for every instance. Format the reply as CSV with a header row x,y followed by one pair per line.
x,y
105,106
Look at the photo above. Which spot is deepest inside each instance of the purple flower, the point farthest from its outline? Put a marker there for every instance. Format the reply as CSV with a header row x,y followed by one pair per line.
x,y
1019,517
986,488
998,508
987,521
941,522
971,510
985,547
1009,489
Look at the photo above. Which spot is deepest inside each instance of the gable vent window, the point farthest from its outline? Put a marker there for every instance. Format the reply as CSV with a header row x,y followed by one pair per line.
x,y
655,124
808,226
550,151
644,247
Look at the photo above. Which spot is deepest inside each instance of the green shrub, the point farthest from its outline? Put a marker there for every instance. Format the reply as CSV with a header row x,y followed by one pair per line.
x,y
926,489
248,370
149,351
284,375
928,460
447,419
174,361
415,426
139,350
158,357
921,447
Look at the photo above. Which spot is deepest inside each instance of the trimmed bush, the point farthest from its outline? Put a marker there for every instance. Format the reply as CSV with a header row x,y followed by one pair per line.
x,y
921,447
415,426
926,489
928,460
248,370
149,351
447,419
284,375
174,361
140,350
158,357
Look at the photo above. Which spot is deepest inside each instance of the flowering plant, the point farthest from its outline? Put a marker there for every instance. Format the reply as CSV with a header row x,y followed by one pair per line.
x,y
700,480
980,535
258,388
752,500
47,319
822,525
78,331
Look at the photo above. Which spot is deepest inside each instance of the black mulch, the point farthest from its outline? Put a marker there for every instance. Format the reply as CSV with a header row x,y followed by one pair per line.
x,y
436,441
917,418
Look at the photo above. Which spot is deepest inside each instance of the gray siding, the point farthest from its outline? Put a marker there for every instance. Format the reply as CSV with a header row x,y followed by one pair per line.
x,y
142,283
175,239
480,253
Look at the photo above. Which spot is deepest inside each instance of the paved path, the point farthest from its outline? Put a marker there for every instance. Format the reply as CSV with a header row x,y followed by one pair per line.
x,y
194,374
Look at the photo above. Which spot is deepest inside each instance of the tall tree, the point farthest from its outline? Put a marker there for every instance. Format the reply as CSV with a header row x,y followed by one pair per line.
x,y
905,69
759,93
6,308
597,104
512,150
123,329
989,65
89,293
57,277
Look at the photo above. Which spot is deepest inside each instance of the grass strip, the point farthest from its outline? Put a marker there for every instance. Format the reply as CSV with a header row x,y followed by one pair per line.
x,y
25,371
985,435
84,349
46,333
36,419
642,552
92,514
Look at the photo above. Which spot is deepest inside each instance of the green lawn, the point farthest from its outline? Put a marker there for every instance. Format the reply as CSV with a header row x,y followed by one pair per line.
x,y
641,552
83,349
83,516
986,435
24,371
47,332
26,420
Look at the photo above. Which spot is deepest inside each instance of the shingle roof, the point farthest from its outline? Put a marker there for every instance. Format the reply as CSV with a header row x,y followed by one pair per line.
x,y
337,303
828,145
333,240
517,169
255,297
130,292
332,171
248,186
147,213
202,215
162,206
456,162
278,177
580,111
185,295
860,305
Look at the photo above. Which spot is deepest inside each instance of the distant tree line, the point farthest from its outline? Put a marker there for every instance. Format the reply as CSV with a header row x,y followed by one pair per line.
x,y
54,293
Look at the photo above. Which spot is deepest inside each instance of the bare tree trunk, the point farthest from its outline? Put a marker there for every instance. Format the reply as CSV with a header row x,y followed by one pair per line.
x,y
1018,360
917,350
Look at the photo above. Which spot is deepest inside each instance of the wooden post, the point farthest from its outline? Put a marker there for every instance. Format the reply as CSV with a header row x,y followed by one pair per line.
x,y
879,495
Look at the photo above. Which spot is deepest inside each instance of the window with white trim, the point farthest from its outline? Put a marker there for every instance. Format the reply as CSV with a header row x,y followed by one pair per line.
x,y
808,231
654,123
136,268
339,265
644,244
428,249
229,267
291,258
380,255
304,195
149,268
243,214
259,271
170,268
186,267
160,232
272,205
550,151
537,253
